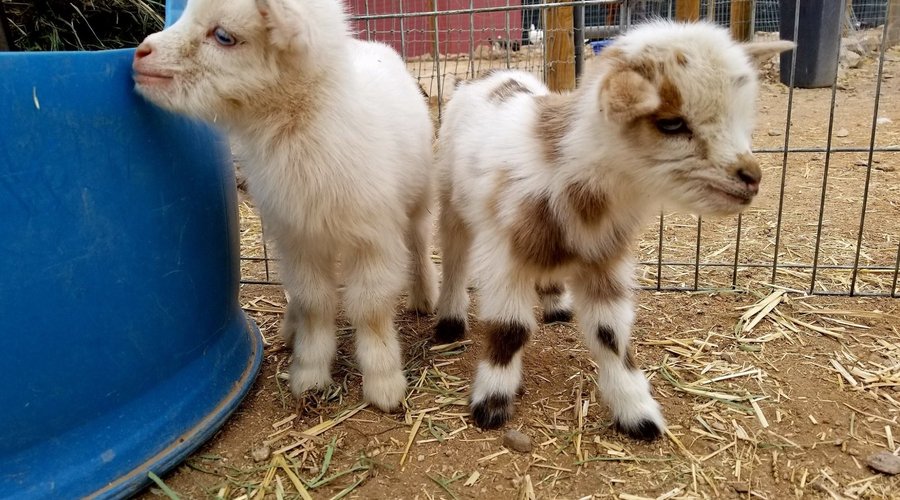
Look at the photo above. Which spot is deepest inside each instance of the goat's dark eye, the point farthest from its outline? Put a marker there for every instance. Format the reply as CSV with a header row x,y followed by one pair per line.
x,y
672,126
222,37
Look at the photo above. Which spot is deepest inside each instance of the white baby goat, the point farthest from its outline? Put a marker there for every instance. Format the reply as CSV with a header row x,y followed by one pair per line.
x,y
337,142
547,190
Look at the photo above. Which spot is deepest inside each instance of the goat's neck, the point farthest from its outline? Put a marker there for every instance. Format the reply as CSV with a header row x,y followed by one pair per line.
x,y
302,110
590,156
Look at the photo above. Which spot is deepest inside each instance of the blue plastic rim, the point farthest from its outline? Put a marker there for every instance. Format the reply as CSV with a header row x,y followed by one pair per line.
x,y
125,347
599,45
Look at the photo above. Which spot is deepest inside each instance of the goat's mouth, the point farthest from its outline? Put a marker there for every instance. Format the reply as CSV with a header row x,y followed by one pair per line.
x,y
732,194
152,78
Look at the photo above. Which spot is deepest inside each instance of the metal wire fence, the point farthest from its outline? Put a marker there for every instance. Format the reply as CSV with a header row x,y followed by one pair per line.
x,y
827,219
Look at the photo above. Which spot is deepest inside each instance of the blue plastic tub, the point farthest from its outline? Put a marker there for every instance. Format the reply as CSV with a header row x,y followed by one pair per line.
x,y
598,45
125,346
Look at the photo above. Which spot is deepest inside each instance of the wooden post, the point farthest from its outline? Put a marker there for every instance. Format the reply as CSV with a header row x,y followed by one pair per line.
x,y
893,20
740,20
559,31
687,10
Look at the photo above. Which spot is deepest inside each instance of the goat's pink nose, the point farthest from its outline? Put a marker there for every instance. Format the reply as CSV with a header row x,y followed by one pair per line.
x,y
747,170
751,178
143,50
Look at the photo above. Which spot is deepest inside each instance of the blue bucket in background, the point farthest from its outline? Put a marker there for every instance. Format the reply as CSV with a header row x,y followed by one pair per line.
x,y
598,46
125,347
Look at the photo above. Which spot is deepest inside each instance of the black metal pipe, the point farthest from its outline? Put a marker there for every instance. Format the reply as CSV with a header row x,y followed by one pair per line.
x,y
578,21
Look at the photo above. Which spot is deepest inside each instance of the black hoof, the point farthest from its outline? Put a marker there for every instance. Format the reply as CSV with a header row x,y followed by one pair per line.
x,y
492,412
561,316
449,330
645,430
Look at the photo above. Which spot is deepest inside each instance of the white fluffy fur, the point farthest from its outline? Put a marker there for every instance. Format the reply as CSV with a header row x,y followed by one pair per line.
x,y
336,140
512,155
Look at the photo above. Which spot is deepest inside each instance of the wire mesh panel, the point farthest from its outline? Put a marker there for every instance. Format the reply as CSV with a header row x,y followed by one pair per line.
x,y
826,221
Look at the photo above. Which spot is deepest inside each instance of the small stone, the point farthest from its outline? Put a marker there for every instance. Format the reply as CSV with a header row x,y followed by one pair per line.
x,y
883,120
515,440
741,486
773,132
884,462
850,59
842,133
260,453
421,458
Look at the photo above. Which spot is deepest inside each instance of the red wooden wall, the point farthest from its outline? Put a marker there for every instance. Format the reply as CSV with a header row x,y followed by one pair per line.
x,y
453,30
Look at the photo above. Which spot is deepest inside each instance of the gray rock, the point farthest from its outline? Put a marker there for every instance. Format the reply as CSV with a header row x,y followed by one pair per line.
x,y
850,59
260,453
870,42
515,440
842,133
774,133
884,462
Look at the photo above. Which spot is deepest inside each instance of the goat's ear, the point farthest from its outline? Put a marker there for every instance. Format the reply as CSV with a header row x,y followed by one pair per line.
x,y
285,24
763,51
626,95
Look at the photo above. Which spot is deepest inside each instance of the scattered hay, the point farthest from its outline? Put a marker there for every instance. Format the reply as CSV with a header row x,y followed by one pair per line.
x,y
738,423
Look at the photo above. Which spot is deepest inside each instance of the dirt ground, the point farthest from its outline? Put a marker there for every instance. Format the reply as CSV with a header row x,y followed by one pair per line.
x,y
711,381
768,393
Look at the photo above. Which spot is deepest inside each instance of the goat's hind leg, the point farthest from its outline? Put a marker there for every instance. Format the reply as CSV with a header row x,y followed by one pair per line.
x,y
374,275
556,301
423,282
604,304
453,303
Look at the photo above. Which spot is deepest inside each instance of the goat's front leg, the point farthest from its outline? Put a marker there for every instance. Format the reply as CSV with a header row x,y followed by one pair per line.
x,y
604,304
507,297
309,321
374,275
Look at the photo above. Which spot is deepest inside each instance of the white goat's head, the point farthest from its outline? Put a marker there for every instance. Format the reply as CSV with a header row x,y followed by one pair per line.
x,y
223,56
681,100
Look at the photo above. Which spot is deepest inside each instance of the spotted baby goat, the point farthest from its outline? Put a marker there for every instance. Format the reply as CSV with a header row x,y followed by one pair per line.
x,y
544,191
337,143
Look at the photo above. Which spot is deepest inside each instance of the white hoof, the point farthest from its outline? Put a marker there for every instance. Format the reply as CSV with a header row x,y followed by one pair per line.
x,y
304,378
385,391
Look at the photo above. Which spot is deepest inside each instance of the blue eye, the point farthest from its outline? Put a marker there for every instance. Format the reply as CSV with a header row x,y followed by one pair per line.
x,y
223,38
